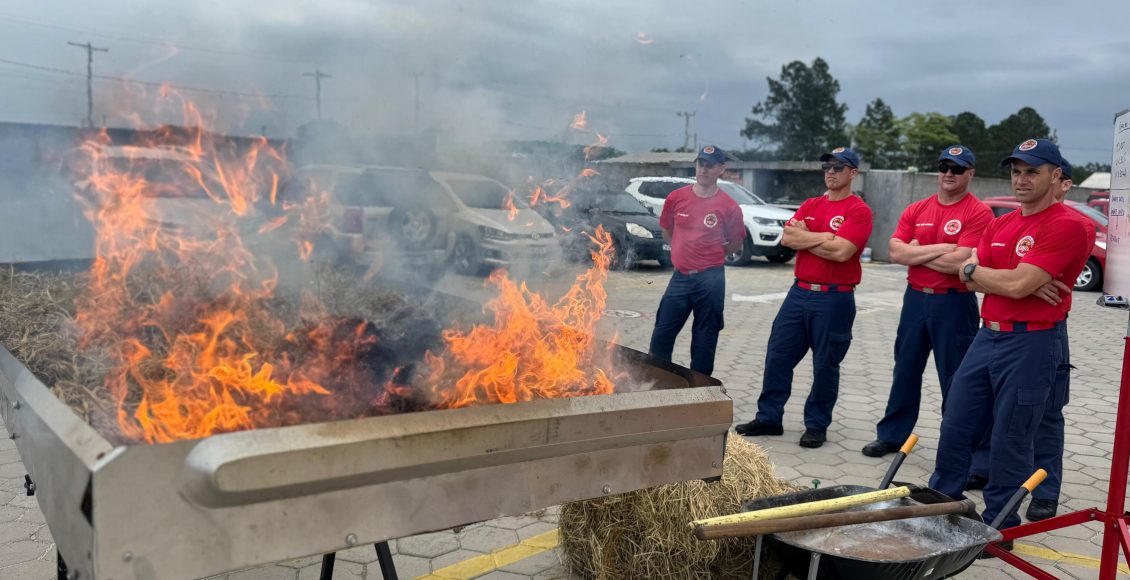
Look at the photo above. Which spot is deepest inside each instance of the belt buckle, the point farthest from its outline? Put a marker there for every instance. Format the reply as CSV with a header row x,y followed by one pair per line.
x,y
928,290
815,287
995,326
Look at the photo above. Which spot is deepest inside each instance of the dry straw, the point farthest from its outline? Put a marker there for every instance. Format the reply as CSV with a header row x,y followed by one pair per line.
x,y
644,534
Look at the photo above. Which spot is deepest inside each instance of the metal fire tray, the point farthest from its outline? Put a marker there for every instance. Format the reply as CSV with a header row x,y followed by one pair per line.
x,y
227,502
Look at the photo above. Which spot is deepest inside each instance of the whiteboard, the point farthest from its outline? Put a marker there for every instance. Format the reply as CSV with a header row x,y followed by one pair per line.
x,y
1116,278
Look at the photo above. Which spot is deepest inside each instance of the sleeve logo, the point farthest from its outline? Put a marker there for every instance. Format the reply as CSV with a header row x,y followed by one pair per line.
x,y
836,222
1025,245
710,220
952,227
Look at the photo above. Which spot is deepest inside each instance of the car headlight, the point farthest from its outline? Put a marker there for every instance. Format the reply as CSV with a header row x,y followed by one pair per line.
x,y
639,231
768,222
494,234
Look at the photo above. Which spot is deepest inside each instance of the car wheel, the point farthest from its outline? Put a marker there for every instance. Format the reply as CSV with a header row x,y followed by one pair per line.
x,y
780,258
414,227
1091,277
743,256
467,256
665,263
623,256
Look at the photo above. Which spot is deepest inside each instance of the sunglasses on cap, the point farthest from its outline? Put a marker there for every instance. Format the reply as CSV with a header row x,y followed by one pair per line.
x,y
834,167
954,169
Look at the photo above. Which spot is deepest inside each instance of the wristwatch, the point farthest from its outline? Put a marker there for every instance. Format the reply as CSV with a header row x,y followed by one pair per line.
x,y
968,271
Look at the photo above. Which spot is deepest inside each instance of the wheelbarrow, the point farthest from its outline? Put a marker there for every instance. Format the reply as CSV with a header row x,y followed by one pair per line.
x,y
907,533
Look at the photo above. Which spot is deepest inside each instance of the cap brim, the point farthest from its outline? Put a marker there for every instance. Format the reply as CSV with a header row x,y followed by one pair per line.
x,y
1029,159
828,156
957,160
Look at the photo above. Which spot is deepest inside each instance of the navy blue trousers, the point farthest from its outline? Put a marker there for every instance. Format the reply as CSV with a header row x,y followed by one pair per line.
x,y
820,321
1048,452
1001,388
943,323
704,295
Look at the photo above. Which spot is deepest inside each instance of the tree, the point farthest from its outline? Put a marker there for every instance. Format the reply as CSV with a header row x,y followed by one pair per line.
x,y
877,136
1016,128
800,115
972,133
924,136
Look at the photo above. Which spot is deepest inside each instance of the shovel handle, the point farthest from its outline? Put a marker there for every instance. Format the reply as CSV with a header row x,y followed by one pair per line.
x,y
719,531
900,456
812,507
1018,496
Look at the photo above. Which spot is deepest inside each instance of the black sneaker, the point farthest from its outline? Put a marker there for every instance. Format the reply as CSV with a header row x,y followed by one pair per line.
x,y
1006,545
813,438
1041,509
755,428
879,448
976,482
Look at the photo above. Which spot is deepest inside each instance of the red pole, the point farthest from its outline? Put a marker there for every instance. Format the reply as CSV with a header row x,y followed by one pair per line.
x,y
1119,467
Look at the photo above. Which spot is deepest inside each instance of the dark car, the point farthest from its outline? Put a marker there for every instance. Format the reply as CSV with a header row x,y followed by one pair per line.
x,y
635,230
1091,278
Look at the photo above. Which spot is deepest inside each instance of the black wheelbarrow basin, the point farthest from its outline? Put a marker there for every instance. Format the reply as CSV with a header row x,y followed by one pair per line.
x,y
917,548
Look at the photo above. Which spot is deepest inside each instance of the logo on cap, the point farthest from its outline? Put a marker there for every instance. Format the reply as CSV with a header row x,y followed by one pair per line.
x,y
709,149
838,150
956,151
1024,245
952,226
1028,145
710,220
836,222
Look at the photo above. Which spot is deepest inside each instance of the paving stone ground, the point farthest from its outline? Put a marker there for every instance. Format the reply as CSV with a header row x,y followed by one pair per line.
x,y
754,295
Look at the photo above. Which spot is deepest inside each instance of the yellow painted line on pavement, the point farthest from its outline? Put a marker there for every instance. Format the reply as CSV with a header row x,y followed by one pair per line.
x,y
480,565
1065,557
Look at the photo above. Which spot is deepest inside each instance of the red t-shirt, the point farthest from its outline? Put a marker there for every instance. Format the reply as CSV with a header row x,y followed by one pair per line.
x,y
1053,239
700,227
848,218
1091,233
930,222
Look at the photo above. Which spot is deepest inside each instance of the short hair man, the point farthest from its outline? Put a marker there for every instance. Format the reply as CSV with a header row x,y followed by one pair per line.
x,y
829,233
1004,382
702,224
933,238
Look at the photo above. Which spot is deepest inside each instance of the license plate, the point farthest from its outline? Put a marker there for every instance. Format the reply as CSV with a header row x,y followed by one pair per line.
x,y
666,247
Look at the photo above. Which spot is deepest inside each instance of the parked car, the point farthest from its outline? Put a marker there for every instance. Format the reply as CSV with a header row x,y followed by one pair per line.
x,y
1091,278
765,223
494,227
635,230
373,217
1100,200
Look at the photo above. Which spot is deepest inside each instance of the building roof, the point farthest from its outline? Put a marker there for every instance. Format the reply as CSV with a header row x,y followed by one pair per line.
x,y
1097,180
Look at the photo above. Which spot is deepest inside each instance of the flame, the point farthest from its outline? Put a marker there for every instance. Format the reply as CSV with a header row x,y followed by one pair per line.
x,y
591,150
579,122
643,38
510,207
534,350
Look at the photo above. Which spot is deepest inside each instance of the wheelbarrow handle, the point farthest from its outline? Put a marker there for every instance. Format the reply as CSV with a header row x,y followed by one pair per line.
x,y
813,507
759,528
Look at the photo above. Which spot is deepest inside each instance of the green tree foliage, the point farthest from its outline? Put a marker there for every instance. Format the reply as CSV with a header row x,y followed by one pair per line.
x,y
923,137
972,132
1079,173
877,136
800,116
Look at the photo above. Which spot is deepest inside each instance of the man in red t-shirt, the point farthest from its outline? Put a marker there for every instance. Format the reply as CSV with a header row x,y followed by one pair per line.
x,y
829,233
702,224
934,237
1002,387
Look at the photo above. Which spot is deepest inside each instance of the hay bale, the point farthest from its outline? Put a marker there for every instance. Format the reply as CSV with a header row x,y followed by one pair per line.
x,y
644,533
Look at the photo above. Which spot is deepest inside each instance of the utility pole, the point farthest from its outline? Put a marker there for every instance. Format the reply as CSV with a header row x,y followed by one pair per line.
x,y
318,76
90,50
416,110
686,128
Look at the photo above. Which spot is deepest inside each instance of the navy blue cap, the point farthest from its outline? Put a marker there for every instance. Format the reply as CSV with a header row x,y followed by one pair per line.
x,y
844,154
1036,152
1066,167
711,154
959,154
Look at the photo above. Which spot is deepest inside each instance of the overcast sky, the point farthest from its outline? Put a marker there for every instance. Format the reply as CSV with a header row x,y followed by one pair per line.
x,y
521,70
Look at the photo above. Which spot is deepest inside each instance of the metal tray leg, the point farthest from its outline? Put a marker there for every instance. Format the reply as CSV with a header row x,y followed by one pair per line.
x,y
756,558
813,565
384,558
328,566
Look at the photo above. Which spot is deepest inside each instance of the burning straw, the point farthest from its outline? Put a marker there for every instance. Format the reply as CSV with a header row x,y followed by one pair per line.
x,y
644,534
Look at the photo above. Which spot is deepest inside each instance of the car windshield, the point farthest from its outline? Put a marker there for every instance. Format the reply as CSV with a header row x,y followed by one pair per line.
x,y
740,194
1095,215
483,194
619,203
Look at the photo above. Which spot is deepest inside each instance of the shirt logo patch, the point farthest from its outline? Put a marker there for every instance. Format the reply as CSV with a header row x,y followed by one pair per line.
x,y
956,150
836,222
1025,245
710,220
1028,145
952,227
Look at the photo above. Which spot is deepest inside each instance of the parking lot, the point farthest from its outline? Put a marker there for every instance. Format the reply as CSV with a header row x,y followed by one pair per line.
x,y
525,546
